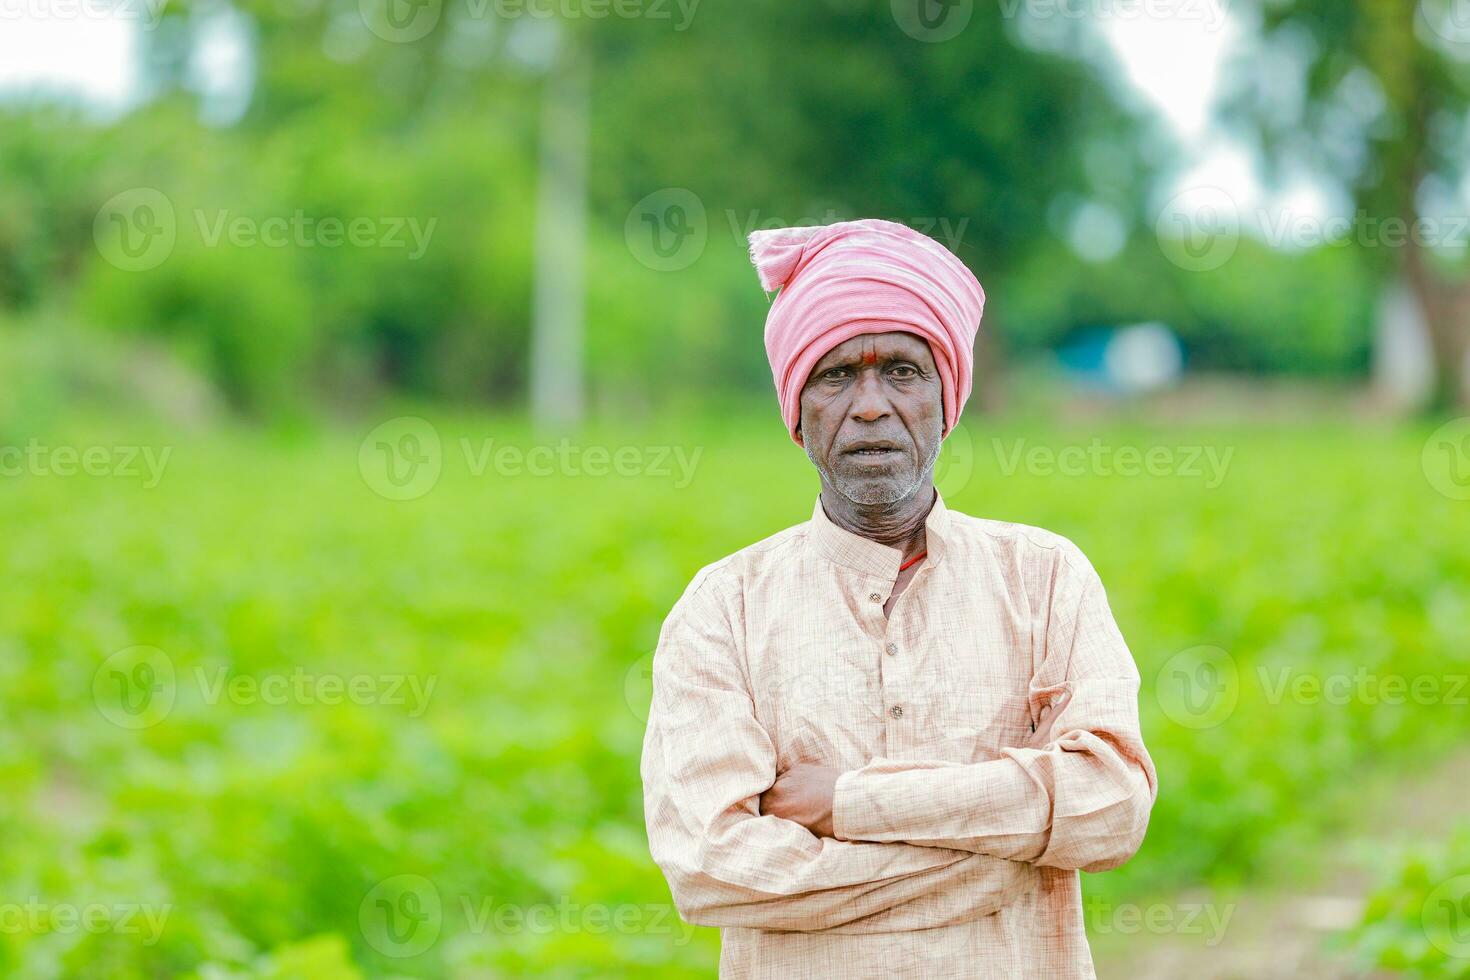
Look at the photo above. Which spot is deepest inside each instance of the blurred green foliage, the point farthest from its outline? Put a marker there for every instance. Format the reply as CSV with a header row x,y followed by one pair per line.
x,y
268,323
533,602
1418,922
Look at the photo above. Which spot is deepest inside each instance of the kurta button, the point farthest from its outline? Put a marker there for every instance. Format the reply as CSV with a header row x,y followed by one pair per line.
x,y
896,711
874,597
891,649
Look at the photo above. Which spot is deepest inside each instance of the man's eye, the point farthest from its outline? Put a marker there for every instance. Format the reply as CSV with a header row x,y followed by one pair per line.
x,y
835,374
905,371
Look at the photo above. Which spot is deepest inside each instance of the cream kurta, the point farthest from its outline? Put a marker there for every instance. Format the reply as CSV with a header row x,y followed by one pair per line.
x,y
960,826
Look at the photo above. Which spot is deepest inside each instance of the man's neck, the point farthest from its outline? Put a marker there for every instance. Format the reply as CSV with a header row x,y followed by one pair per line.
x,y
898,525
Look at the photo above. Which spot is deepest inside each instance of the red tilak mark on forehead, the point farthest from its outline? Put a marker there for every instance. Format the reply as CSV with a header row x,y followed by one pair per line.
x,y
870,357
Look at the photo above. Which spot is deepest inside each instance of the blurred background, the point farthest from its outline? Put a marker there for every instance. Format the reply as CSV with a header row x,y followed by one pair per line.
x,y
375,375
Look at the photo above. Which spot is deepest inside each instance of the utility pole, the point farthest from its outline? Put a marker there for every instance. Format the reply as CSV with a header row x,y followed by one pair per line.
x,y
559,297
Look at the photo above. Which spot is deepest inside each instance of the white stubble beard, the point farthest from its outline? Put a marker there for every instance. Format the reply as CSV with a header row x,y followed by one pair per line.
x,y
869,492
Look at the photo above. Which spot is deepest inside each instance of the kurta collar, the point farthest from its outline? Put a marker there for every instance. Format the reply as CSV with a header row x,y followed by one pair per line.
x,y
868,556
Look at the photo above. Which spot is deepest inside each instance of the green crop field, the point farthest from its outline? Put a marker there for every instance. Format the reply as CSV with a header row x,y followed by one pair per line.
x,y
261,720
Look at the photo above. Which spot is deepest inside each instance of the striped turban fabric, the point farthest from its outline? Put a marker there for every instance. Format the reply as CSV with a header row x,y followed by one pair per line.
x,y
838,281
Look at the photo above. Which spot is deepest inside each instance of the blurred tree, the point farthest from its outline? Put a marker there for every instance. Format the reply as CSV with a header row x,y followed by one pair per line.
x,y
1376,94
350,118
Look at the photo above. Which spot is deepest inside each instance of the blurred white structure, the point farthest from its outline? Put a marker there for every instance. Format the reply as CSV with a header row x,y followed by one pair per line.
x,y
1142,358
558,309
1403,360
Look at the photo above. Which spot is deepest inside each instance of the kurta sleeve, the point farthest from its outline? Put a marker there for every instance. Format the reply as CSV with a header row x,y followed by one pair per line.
x,y
1077,797
706,760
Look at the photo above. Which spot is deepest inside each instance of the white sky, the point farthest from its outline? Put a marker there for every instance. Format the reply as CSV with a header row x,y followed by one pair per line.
x,y
1175,61
89,55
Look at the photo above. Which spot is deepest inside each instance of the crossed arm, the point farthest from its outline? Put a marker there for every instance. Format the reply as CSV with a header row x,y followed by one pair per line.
x,y
896,845
1077,796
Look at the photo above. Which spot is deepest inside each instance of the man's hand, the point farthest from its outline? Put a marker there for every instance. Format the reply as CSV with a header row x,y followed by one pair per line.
x,y
803,794
1042,735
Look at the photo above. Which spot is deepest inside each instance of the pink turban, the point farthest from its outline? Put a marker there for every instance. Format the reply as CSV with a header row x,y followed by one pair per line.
x,y
855,277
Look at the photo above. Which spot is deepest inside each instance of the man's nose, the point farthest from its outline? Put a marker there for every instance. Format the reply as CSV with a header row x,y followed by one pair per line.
x,y
870,398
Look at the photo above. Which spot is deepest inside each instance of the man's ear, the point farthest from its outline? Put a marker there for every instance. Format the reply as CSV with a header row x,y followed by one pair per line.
x,y
799,440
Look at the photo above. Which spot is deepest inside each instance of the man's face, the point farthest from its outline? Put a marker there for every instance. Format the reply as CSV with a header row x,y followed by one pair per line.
x,y
872,414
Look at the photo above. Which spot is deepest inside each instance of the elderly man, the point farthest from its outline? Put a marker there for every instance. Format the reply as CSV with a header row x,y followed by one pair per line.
x,y
883,742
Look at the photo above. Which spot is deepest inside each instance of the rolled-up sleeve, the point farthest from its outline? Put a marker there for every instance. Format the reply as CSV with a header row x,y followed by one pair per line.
x,y
1077,797
706,760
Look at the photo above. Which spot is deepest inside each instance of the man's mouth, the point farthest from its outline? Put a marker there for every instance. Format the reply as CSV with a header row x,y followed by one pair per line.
x,y
872,450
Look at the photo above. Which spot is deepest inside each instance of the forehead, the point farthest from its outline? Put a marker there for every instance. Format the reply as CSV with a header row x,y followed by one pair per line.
x,y
894,345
